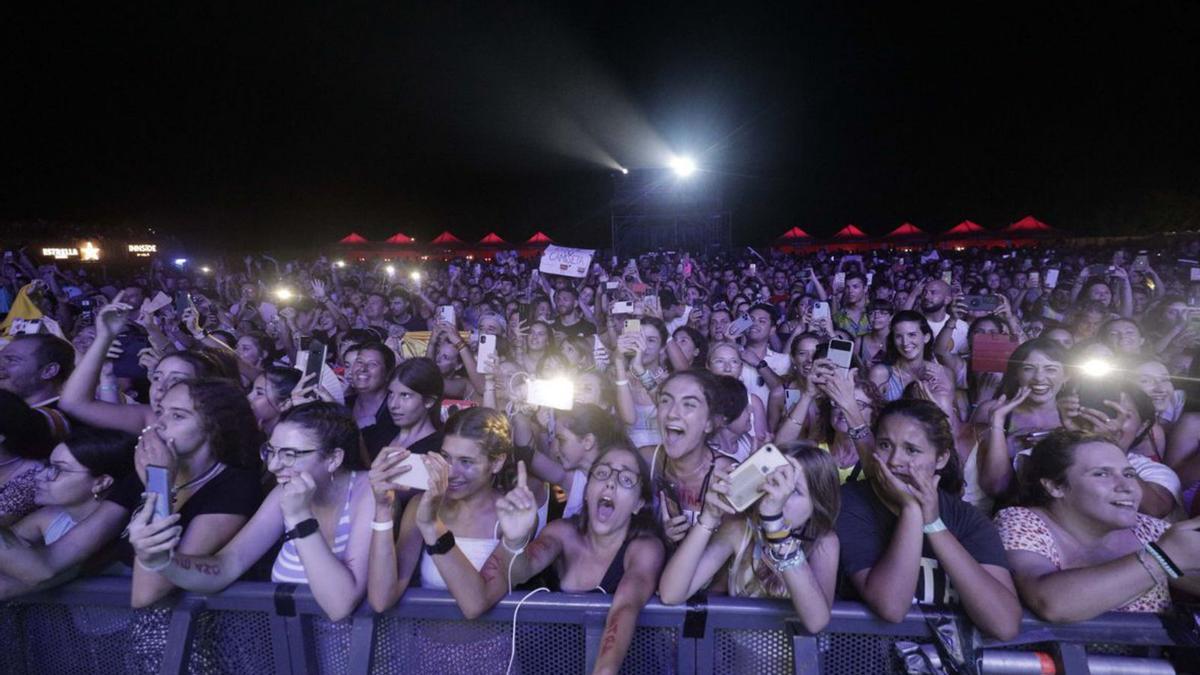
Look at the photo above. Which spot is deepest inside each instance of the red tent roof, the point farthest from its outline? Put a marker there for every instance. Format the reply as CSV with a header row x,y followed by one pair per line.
x,y
850,232
492,238
906,230
795,233
353,238
446,238
400,238
1028,224
539,238
967,227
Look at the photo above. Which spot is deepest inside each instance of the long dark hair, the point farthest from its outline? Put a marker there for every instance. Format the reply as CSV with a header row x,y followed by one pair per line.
x,y
891,355
421,375
1050,460
1009,383
226,419
586,419
333,427
937,428
642,522
25,433
103,452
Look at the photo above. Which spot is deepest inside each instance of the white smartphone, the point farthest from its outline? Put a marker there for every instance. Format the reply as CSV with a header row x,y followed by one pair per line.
x,y
446,313
622,307
487,349
417,477
840,352
753,268
947,277
791,398
820,310
1034,280
747,478
1051,278
631,327
839,281
740,325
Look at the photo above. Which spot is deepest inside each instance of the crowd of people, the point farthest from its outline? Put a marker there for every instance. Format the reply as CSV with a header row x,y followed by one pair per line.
x,y
989,429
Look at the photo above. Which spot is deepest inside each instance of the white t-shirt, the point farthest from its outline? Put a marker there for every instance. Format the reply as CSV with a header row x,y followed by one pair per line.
x,y
959,335
776,361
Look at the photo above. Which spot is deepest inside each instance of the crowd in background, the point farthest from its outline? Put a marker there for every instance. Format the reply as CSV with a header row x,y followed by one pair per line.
x,y
988,429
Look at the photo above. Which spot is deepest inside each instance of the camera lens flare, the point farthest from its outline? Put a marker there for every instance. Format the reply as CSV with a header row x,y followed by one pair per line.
x,y
415,275
1095,368
284,293
683,166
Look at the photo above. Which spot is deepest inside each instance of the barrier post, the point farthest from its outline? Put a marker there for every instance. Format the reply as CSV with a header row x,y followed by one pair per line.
x,y
806,650
179,637
362,638
1071,658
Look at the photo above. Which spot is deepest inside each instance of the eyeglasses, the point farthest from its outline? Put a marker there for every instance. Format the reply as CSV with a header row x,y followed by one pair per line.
x,y
625,478
51,472
286,456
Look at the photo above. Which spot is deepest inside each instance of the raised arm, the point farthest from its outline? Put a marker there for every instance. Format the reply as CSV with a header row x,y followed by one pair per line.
x,y
706,547
78,394
995,465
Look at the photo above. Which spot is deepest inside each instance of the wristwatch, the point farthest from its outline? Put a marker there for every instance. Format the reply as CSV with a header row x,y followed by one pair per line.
x,y
302,529
444,544
859,432
761,364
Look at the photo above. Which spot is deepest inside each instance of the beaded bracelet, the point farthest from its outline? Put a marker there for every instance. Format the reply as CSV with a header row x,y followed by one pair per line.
x,y
1163,561
1141,556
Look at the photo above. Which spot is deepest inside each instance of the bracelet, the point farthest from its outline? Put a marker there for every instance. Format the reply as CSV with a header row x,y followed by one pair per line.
x,y
795,560
777,536
383,526
1141,557
711,530
621,383
793,420
157,568
934,527
767,519
108,387
1163,560
859,432
460,346
517,551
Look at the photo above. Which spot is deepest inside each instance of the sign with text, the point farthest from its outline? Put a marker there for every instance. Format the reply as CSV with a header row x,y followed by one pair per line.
x,y
567,262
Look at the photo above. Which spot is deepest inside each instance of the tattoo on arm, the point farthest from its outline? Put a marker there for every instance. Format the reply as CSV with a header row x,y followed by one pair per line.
x,y
609,641
211,569
490,569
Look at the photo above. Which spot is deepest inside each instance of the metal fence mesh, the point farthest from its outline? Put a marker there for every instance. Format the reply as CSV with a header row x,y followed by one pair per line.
x,y
232,642
752,651
427,646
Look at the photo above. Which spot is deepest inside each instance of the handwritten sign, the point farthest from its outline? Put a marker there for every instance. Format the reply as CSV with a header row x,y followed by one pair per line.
x,y
567,262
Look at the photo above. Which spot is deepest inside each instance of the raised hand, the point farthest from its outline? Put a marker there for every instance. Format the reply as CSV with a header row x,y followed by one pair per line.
x,y
152,449
431,501
716,506
777,487
296,499
318,290
388,464
891,489
153,540
517,511
1006,406
112,319
675,527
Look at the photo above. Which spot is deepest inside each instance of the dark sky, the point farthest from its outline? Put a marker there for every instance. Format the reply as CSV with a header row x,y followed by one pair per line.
x,y
281,123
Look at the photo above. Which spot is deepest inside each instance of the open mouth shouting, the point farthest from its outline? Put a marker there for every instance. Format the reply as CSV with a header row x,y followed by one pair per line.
x,y
605,507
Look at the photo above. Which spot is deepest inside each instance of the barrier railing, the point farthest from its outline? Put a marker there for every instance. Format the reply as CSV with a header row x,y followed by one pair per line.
x,y
259,628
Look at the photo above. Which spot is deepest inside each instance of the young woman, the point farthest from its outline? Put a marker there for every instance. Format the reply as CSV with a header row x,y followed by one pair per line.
x,y
271,393
367,400
638,381
784,547
25,442
81,470
905,533
580,434
202,437
909,356
1078,546
1027,405
846,408
611,546
321,506
472,471
681,466
725,360
415,405
537,341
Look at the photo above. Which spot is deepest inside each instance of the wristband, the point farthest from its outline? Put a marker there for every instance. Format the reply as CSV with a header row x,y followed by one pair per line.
x,y
157,568
302,529
621,383
776,536
385,526
934,527
767,519
859,432
1163,560
795,560
711,530
515,551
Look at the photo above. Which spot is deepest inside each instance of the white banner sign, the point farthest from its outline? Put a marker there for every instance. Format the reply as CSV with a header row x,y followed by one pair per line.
x,y
567,262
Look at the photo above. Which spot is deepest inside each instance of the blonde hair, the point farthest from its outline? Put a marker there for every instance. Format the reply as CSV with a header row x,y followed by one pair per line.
x,y
749,576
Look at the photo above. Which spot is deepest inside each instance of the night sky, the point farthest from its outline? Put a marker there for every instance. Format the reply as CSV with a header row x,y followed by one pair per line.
x,y
301,124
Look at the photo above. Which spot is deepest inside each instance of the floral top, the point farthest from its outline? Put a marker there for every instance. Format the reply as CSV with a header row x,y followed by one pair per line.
x,y
16,494
1022,529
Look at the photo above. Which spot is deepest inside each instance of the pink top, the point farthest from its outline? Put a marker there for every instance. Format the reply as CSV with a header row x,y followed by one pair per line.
x,y
1022,529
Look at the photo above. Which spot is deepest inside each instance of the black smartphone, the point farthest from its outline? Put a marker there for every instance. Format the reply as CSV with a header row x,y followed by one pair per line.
x,y
316,359
183,300
126,365
982,303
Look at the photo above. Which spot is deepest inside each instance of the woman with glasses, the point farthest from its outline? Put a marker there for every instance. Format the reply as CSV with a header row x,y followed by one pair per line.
x,y
785,546
321,506
70,489
612,546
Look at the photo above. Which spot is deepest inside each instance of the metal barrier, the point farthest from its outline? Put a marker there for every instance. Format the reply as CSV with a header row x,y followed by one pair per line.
x,y
259,628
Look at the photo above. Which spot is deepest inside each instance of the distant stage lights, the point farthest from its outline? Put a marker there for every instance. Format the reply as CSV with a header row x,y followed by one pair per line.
x,y
624,171
180,262
339,263
683,166
415,275
206,269
391,270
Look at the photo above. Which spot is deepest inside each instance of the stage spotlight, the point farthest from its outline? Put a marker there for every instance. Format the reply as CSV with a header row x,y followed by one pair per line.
x,y
683,166
415,276
180,262
206,269
625,171
391,270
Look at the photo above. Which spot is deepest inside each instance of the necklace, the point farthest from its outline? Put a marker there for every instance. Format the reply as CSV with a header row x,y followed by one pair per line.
x,y
699,467
201,480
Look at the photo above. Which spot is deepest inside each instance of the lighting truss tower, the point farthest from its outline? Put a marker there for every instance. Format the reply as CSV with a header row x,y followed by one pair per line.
x,y
655,209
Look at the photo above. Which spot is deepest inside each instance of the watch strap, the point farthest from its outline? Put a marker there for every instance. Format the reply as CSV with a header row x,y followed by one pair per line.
x,y
302,529
443,545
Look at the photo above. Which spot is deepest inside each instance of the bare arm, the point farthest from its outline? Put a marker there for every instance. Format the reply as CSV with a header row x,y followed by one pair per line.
x,y
205,535
888,585
986,591
811,587
34,565
643,562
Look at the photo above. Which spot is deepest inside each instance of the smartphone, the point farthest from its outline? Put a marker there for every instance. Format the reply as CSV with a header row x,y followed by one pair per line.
x,y
183,300
446,313
487,349
947,277
611,285
840,352
753,268
791,398
1094,391
746,479
820,310
1034,280
1195,274
314,359
126,365
156,482
631,327
1051,278
1141,263
990,353
740,325
416,477
982,303
839,281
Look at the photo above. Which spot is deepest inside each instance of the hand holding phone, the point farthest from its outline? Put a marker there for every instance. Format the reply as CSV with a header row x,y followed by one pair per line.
x,y
486,353
746,479
157,483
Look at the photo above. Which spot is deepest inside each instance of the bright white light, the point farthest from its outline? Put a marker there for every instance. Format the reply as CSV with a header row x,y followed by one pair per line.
x,y
180,262
1095,367
558,392
683,166
206,269
284,293
339,263
415,275
391,270
625,171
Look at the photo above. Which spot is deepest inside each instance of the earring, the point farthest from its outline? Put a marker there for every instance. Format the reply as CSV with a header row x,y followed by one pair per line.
x,y
95,495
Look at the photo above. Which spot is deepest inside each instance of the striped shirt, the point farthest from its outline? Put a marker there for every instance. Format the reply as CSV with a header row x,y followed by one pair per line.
x,y
289,569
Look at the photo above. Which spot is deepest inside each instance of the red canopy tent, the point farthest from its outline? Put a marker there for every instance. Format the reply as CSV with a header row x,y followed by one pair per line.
x,y
906,234
352,239
1028,231
447,239
493,239
968,233
535,245
850,238
400,238
794,240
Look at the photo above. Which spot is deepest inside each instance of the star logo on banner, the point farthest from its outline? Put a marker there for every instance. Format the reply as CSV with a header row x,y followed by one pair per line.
x,y
89,251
